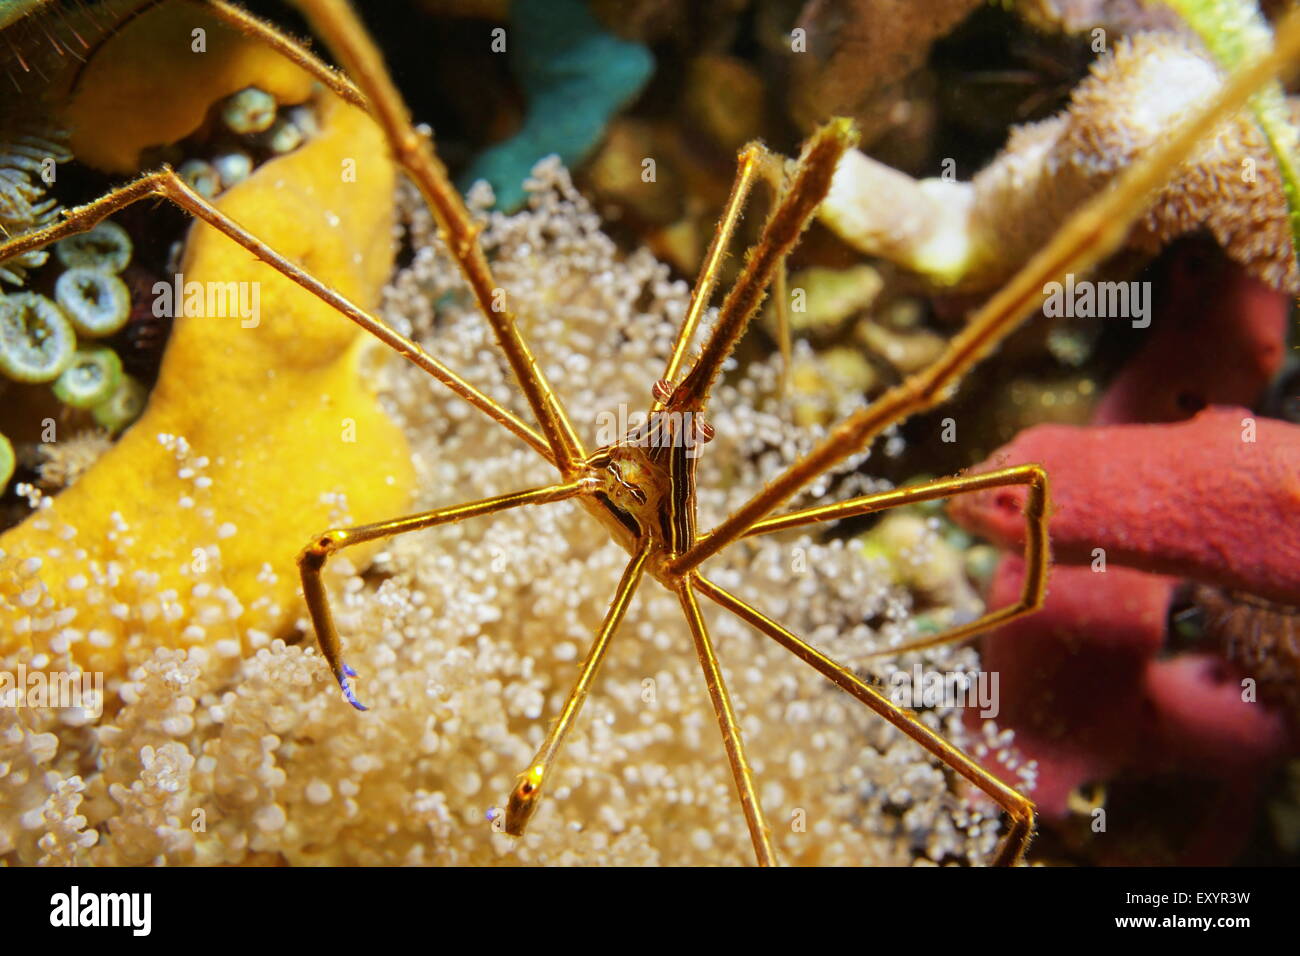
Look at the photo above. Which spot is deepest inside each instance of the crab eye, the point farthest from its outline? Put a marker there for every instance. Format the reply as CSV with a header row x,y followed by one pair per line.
x,y
662,390
703,430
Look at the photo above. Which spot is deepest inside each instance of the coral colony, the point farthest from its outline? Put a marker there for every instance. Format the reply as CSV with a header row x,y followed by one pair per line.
x,y
1066,574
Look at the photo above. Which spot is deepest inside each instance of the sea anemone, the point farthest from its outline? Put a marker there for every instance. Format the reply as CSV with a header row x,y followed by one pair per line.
x,y
249,111
92,377
232,167
97,303
106,248
122,406
36,340
202,177
466,639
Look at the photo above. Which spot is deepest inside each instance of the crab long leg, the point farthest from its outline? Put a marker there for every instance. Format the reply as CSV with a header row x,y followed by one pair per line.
x,y
784,334
1037,557
1088,237
165,184
759,832
311,561
337,23
774,172
793,209
528,789
749,167
755,159
1017,806
291,50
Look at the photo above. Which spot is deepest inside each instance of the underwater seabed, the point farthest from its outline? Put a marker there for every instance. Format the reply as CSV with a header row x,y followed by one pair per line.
x,y
1107,396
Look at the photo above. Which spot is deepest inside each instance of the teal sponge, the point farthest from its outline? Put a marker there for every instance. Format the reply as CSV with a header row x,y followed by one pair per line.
x,y
576,76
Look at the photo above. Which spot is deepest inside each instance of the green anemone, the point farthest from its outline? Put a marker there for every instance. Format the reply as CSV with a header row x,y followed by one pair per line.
x,y
36,339
249,111
202,177
123,406
98,303
107,248
233,167
6,462
94,376
284,136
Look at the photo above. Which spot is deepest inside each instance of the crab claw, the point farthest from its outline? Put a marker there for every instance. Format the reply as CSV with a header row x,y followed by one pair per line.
x,y
523,799
347,690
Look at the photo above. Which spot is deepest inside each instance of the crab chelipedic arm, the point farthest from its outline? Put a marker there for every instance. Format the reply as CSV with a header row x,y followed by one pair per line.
x,y
794,207
311,562
747,170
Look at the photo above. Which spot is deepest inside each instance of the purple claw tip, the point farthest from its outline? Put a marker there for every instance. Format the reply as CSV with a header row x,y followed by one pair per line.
x,y
347,691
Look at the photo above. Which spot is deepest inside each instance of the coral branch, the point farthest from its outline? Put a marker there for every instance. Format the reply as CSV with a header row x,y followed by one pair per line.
x,y
956,233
